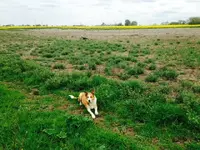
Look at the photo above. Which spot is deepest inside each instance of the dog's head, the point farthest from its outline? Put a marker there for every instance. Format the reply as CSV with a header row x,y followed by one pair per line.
x,y
90,96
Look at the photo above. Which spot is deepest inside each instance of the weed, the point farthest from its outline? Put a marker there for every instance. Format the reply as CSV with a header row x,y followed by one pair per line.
x,y
168,74
152,67
124,76
92,66
140,64
151,78
135,70
81,67
58,66
156,44
108,70
148,61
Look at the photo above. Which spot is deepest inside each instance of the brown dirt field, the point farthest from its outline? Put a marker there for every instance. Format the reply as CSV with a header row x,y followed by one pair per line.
x,y
139,34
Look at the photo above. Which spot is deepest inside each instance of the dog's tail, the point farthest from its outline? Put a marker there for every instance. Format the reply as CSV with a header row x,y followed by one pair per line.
x,y
72,97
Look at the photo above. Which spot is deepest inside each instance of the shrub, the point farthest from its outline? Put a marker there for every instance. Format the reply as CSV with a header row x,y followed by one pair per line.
x,y
92,66
169,74
140,64
152,67
135,71
151,78
124,76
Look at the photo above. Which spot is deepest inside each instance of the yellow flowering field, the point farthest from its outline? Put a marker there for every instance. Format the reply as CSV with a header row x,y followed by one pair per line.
x,y
100,27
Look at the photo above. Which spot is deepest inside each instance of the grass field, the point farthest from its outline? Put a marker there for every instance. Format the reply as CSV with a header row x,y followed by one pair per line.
x,y
147,84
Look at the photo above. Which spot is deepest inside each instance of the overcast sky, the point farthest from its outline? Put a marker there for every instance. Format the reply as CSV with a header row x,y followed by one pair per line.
x,y
93,12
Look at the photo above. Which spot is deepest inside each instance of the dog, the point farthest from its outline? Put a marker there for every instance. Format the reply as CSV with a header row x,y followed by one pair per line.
x,y
89,100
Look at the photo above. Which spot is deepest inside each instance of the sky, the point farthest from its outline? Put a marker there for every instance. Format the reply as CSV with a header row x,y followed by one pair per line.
x,y
95,12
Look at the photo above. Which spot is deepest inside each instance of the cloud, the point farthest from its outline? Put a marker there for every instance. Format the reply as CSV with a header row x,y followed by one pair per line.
x,y
92,12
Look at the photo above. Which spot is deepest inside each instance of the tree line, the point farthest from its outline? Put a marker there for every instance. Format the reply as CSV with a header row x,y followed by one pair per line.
x,y
190,21
127,22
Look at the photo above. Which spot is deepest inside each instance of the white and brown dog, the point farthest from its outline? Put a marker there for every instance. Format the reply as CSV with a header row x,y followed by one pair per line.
x,y
89,100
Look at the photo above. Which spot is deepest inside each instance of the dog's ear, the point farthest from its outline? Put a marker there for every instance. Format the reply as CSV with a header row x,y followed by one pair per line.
x,y
86,93
93,91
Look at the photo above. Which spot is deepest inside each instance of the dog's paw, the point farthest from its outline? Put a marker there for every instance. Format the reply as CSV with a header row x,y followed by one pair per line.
x,y
96,113
93,116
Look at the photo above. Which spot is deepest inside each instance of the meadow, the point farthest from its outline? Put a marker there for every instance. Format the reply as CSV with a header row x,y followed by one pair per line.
x,y
147,85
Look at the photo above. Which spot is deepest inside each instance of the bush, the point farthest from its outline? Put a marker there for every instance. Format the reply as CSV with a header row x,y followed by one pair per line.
x,y
151,78
168,74
135,71
152,67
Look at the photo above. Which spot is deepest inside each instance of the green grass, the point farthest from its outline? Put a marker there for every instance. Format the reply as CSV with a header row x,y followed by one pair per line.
x,y
58,66
152,67
151,78
143,113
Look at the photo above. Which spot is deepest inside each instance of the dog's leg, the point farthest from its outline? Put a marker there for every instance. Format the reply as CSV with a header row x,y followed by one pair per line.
x,y
96,111
89,110
80,103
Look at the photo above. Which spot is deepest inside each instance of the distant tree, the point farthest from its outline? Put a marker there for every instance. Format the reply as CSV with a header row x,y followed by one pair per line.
x,y
119,24
174,23
103,24
165,23
127,22
134,23
194,20
182,22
